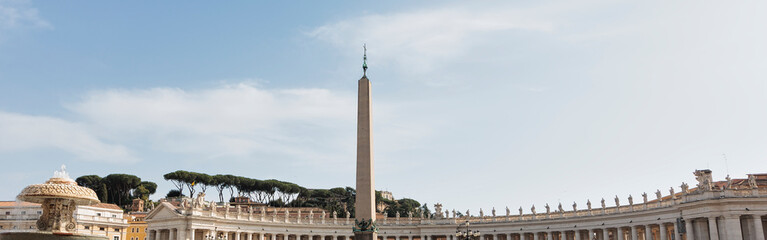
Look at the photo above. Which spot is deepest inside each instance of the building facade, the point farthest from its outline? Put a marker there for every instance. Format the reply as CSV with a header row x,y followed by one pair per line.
x,y
19,216
136,226
734,209
102,219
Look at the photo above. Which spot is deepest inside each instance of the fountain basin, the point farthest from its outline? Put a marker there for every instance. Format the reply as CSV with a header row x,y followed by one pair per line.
x,y
59,197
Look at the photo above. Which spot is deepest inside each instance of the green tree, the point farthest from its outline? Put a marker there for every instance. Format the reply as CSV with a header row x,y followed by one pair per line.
x,y
141,192
145,189
231,181
174,193
151,186
403,207
89,181
220,184
177,178
204,181
120,186
102,193
95,183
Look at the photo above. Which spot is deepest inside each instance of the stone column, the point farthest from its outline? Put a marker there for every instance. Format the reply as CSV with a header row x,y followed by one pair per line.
x,y
620,234
677,234
732,226
647,232
549,236
605,234
577,235
713,229
181,234
758,228
688,231
634,233
591,234
237,235
663,231
188,234
273,236
481,237
172,233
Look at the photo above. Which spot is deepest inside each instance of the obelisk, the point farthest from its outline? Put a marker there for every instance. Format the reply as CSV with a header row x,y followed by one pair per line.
x,y
365,215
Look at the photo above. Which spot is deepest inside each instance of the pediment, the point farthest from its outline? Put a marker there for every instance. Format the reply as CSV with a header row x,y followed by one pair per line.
x,y
163,211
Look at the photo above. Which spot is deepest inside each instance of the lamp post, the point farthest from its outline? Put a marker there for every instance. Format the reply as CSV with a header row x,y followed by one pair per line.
x,y
468,234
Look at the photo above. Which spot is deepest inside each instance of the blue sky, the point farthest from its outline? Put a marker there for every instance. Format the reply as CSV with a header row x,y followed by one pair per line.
x,y
475,104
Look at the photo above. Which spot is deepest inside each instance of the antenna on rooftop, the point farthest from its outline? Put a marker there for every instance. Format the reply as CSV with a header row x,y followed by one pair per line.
x,y
726,167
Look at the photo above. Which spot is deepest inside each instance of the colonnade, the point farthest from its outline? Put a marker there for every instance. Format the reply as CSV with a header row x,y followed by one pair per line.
x,y
174,234
204,234
736,227
731,227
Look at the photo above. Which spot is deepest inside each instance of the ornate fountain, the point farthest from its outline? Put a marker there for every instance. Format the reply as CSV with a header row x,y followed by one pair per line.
x,y
59,197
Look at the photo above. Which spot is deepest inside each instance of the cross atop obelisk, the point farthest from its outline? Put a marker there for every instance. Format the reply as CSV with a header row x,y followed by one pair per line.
x,y
365,215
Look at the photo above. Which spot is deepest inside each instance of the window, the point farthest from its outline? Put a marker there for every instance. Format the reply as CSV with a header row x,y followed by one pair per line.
x,y
101,229
117,238
87,227
39,212
98,214
23,212
31,227
117,230
7,213
1,227
114,216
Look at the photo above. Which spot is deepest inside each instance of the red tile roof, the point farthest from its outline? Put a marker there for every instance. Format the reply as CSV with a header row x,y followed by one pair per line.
x,y
29,204
139,215
19,204
107,205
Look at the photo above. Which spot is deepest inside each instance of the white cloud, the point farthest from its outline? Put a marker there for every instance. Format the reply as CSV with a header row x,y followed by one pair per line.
x,y
420,41
18,14
232,122
237,120
23,132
